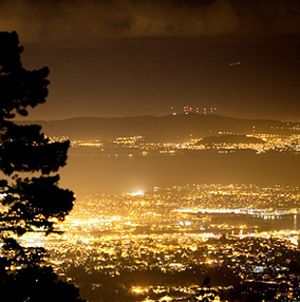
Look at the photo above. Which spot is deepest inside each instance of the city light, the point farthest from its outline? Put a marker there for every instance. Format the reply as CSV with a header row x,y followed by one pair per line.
x,y
137,193
180,229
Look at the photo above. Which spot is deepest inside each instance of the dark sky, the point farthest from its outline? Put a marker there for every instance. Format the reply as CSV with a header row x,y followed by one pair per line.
x,y
131,57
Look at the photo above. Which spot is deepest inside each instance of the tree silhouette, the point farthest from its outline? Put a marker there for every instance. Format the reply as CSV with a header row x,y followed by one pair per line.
x,y
30,198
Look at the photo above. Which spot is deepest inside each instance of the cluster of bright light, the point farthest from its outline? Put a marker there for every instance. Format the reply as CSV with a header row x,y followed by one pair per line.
x,y
137,193
137,231
137,145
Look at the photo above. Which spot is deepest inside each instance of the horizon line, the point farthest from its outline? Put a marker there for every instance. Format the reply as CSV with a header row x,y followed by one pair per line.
x,y
25,119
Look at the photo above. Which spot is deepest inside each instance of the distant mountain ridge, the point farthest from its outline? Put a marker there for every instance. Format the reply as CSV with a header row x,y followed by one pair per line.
x,y
164,128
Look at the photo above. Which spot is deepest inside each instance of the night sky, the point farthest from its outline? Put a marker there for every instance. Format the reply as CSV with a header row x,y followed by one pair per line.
x,y
134,57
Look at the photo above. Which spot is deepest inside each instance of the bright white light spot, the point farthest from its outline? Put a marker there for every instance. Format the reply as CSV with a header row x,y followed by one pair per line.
x,y
2,195
137,193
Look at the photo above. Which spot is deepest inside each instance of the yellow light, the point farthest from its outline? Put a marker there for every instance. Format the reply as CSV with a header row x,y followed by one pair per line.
x,y
138,290
209,261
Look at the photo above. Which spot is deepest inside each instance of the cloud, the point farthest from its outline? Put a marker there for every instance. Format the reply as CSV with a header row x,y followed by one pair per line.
x,y
83,21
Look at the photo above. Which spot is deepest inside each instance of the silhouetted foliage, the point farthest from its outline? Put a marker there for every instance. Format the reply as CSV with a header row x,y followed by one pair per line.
x,y
30,200
36,284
